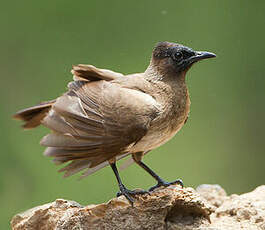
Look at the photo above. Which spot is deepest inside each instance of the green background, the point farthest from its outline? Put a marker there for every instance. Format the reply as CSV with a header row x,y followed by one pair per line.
x,y
223,141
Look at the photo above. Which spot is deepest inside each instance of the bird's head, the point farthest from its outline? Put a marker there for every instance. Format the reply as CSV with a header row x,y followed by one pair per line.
x,y
172,58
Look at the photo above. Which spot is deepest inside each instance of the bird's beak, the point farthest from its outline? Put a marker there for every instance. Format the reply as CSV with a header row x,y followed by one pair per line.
x,y
200,55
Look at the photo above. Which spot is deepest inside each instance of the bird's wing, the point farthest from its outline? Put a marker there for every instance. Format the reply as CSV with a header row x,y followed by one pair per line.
x,y
95,122
92,73
34,115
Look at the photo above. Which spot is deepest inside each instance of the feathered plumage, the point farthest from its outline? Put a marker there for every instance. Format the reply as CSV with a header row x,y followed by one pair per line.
x,y
92,122
105,116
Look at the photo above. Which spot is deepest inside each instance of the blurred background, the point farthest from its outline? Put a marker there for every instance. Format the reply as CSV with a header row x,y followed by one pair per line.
x,y
223,141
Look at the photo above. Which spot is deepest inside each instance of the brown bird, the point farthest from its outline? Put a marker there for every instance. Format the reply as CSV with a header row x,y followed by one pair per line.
x,y
105,116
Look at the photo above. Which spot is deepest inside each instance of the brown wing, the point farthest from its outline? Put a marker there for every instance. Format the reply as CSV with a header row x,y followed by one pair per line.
x,y
35,114
94,122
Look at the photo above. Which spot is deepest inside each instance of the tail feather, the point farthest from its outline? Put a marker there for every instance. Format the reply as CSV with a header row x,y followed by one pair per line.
x,y
92,73
33,115
75,167
91,170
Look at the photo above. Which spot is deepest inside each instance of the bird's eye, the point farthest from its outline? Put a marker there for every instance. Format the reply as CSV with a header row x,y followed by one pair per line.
x,y
177,56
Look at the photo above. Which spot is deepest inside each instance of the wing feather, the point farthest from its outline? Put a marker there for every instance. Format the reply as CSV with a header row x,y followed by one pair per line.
x,y
69,142
94,122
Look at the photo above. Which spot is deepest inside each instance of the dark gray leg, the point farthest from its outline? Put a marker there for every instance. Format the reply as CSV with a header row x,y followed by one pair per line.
x,y
160,181
123,190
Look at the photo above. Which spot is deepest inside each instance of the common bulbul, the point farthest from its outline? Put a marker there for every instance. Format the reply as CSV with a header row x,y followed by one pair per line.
x,y
105,116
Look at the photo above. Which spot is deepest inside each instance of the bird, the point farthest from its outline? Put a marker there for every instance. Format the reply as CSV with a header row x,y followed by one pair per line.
x,y
105,116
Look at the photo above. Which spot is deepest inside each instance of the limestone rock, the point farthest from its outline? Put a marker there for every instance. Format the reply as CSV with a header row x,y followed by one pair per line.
x,y
246,211
165,208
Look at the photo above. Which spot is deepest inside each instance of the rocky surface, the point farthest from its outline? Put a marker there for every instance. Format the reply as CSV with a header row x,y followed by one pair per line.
x,y
165,208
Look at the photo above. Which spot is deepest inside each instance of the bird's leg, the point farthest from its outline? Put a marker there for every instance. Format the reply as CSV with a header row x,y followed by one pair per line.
x,y
160,181
123,190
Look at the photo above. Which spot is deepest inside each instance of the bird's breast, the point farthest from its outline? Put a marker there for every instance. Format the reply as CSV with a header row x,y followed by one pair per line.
x,y
167,124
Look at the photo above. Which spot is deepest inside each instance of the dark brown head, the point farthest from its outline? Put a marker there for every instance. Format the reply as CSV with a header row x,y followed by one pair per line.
x,y
175,58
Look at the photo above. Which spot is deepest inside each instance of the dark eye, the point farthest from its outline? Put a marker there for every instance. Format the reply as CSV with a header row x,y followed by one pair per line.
x,y
177,56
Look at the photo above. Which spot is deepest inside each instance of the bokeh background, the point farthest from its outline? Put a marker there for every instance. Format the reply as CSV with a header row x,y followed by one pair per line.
x,y
223,141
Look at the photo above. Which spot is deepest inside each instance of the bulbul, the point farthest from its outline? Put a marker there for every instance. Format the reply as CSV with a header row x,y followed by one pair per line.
x,y
105,116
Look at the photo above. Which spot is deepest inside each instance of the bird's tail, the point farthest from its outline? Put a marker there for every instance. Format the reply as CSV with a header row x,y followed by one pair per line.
x,y
33,115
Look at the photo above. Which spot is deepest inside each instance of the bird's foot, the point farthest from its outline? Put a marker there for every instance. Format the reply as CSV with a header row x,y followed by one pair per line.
x,y
128,193
166,184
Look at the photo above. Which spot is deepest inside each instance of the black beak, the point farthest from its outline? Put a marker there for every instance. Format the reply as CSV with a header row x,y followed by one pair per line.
x,y
200,55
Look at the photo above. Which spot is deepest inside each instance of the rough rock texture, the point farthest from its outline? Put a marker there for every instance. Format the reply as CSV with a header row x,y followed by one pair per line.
x,y
165,208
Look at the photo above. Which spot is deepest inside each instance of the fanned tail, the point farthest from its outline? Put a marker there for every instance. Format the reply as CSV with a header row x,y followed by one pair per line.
x,y
33,116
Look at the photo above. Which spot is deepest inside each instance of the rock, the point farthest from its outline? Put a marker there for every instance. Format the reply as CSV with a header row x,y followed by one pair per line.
x,y
246,211
165,208
215,194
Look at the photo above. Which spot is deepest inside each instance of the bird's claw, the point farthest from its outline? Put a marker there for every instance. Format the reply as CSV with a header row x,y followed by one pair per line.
x,y
128,193
166,184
